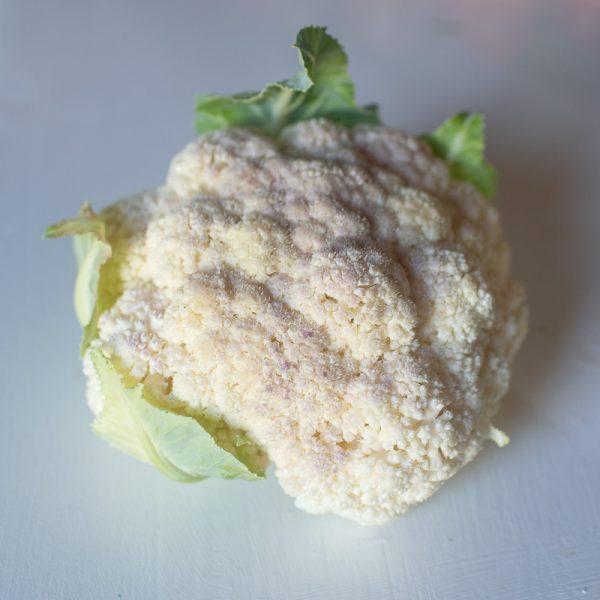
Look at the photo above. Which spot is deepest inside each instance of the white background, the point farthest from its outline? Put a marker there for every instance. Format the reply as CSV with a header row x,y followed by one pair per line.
x,y
95,97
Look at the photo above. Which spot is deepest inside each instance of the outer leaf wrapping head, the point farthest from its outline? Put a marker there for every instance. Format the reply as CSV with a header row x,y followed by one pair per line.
x,y
177,445
92,251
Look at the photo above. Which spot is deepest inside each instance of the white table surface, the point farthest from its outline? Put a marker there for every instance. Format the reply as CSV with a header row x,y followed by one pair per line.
x,y
95,97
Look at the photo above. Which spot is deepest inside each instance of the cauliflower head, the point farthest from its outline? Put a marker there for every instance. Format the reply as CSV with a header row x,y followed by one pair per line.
x,y
308,288
335,295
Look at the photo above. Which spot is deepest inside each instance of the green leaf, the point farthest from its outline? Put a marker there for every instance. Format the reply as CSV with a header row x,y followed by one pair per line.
x,y
178,445
460,142
498,437
92,251
322,89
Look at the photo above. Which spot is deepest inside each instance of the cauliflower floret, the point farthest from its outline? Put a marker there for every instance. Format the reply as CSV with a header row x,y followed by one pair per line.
x,y
334,294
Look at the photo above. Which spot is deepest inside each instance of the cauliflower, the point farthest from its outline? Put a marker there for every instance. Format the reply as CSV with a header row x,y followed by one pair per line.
x,y
333,299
